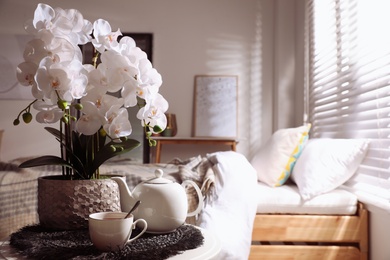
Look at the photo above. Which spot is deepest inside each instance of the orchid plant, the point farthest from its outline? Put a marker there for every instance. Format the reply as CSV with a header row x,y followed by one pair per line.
x,y
94,124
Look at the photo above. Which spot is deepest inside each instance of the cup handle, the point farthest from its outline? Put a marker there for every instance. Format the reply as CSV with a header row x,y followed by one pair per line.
x,y
143,230
200,196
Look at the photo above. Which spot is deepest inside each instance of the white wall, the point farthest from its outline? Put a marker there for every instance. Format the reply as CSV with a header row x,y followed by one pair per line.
x,y
379,233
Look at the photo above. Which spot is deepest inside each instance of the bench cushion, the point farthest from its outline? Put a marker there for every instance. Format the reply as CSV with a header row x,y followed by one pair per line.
x,y
286,199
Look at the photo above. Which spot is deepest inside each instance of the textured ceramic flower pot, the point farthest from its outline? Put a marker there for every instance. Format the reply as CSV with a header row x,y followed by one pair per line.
x,y
66,204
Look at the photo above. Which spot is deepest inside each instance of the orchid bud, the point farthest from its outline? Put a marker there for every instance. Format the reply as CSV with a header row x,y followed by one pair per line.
x,y
123,138
16,121
113,148
152,142
78,106
102,132
27,117
65,119
62,104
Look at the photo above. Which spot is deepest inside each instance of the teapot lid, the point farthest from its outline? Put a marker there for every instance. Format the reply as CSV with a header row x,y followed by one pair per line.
x,y
158,179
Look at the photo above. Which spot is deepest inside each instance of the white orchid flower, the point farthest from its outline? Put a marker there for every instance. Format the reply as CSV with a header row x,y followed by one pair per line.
x,y
153,113
79,80
48,113
66,80
112,113
25,73
64,50
77,88
35,50
118,69
98,79
154,102
70,23
58,50
129,92
91,120
101,100
104,38
118,123
148,76
52,79
145,84
94,96
43,16
126,45
128,48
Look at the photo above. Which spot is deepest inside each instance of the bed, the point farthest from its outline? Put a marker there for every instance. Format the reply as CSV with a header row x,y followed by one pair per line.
x,y
244,220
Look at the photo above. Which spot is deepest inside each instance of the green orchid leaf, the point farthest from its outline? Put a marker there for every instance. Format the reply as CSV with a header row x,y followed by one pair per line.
x,y
45,160
55,132
79,148
75,162
78,166
86,147
107,152
157,129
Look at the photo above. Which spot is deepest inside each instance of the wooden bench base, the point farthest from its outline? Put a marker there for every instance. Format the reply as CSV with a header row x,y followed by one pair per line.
x,y
294,237
305,252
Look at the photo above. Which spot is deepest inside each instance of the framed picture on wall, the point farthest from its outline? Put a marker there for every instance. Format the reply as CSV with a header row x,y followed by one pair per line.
x,y
215,106
143,40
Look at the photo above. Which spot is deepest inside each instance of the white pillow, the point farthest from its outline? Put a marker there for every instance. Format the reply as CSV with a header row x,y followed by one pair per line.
x,y
275,160
326,163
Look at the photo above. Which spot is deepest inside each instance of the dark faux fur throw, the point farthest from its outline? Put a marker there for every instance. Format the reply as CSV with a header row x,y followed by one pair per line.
x,y
38,243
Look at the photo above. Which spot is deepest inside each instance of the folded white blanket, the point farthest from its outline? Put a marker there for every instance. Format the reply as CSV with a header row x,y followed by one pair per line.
x,y
230,216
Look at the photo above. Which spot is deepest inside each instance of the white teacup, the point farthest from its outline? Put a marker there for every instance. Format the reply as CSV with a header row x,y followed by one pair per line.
x,y
111,231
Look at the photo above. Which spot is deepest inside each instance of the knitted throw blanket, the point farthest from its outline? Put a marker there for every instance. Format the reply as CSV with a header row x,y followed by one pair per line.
x,y
36,242
199,170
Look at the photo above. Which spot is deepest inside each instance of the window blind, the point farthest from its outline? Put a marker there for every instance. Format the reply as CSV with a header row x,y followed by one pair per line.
x,y
348,84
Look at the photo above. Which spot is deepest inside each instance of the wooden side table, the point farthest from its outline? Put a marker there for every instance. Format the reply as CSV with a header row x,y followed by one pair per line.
x,y
192,140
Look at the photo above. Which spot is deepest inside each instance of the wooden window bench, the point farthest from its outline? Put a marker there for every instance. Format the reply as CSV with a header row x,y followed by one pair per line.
x,y
336,237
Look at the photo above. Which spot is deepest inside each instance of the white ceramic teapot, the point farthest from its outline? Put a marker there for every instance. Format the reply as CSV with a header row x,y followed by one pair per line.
x,y
164,203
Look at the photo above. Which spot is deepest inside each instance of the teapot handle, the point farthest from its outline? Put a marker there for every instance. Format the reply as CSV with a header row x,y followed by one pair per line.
x,y
200,196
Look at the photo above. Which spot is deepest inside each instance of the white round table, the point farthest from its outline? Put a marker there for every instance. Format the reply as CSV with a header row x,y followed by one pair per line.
x,y
210,248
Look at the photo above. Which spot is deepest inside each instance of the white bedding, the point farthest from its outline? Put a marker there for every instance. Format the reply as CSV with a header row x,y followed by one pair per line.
x,y
287,200
230,216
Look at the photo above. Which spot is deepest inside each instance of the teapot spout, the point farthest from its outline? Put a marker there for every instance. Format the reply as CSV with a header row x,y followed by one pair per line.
x,y
126,198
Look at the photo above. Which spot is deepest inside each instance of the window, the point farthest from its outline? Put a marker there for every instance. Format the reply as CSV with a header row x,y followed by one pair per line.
x,y
348,90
